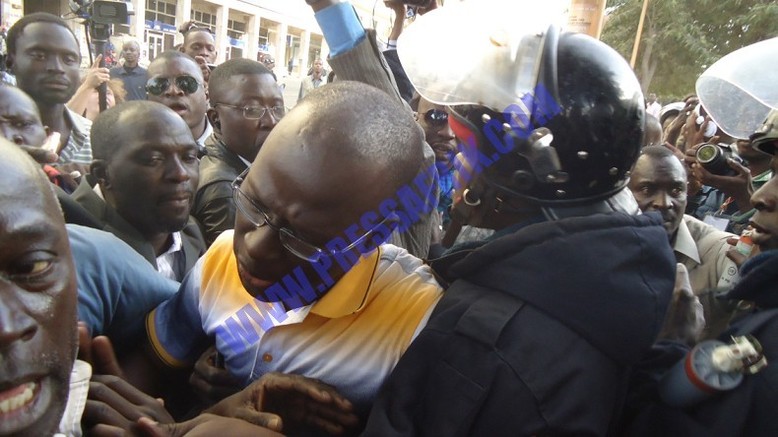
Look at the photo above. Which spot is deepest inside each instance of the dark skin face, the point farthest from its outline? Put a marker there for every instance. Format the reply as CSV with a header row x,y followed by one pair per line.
x,y
200,43
765,220
151,179
241,135
19,118
190,107
38,336
439,136
46,63
306,190
660,185
130,53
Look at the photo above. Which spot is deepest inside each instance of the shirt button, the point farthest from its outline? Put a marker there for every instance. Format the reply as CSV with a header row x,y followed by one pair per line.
x,y
267,358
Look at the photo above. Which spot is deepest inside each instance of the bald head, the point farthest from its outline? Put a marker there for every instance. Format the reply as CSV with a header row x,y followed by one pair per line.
x,y
19,169
128,121
359,126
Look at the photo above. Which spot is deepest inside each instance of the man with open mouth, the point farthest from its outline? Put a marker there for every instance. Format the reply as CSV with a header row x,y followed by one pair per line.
x,y
38,339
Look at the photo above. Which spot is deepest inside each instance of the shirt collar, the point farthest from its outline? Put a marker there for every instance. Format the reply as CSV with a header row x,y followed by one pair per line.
x,y
352,291
684,243
176,245
78,123
206,133
177,241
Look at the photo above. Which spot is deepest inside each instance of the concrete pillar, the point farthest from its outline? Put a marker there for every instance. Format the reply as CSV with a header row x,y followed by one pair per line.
x,y
183,14
280,44
252,38
325,49
222,17
138,28
305,47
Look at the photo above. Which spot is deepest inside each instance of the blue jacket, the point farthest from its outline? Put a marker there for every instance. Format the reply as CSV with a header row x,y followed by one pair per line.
x,y
751,408
536,333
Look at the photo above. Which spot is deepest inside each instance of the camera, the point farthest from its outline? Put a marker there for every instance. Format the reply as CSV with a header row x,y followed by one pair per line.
x,y
713,158
100,14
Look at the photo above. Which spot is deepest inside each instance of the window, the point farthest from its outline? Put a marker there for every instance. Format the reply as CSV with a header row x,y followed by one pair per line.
x,y
162,11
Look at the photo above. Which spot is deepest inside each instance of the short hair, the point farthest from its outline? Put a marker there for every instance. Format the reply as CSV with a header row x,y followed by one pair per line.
x,y
171,55
194,29
234,67
389,137
37,17
104,128
131,41
657,152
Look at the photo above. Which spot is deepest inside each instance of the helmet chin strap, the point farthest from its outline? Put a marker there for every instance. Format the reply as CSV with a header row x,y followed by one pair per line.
x,y
623,201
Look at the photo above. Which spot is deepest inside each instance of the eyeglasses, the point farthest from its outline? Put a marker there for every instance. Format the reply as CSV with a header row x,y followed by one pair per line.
x,y
294,244
436,117
256,112
156,86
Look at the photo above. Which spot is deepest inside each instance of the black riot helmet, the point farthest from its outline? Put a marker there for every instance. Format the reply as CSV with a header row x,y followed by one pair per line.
x,y
765,139
551,117
574,139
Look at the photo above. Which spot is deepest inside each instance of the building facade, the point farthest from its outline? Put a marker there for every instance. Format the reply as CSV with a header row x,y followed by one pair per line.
x,y
284,29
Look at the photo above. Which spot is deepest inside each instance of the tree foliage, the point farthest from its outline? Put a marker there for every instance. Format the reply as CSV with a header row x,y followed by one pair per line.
x,y
681,38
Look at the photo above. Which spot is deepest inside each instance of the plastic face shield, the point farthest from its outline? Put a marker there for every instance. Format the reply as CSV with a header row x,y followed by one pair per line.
x,y
482,52
739,90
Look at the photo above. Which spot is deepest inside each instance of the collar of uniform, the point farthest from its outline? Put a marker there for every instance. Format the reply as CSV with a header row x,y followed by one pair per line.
x,y
206,133
79,124
684,243
352,291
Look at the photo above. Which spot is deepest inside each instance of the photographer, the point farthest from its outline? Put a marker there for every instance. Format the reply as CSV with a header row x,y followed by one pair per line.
x,y
728,206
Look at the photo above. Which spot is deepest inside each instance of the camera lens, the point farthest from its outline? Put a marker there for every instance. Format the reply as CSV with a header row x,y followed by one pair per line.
x,y
707,153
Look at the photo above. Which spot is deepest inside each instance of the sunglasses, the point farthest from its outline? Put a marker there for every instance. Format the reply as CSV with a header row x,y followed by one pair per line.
x,y
156,86
436,117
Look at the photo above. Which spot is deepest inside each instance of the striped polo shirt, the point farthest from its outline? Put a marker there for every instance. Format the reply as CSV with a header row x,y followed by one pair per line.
x,y
351,337
78,148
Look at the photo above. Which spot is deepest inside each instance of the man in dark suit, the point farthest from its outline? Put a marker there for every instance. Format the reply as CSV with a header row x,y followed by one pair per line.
x,y
142,184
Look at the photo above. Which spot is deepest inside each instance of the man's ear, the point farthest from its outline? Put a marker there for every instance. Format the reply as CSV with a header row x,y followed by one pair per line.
x,y
99,169
9,63
213,118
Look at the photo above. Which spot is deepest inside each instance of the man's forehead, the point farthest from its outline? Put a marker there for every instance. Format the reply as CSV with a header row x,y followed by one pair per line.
x,y
39,34
243,87
651,167
199,36
17,100
174,67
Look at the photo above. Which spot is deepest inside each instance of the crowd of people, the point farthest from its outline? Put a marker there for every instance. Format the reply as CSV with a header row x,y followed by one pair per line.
x,y
533,257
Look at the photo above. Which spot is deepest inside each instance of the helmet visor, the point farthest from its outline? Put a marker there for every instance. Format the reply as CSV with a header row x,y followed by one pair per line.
x,y
738,90
482,52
